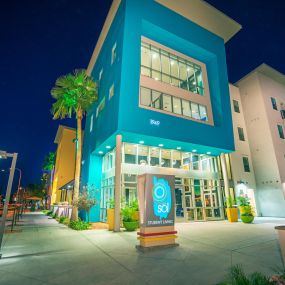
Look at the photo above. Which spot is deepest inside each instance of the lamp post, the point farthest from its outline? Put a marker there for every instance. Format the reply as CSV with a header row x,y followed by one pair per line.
x,y
4,155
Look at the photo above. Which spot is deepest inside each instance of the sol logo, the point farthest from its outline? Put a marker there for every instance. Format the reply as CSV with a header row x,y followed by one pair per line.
x,y
161,195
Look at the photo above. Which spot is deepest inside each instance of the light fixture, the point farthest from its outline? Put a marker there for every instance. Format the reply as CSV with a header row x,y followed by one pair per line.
x,y
171,62
161,145
154,55
156,78
141,142
100,152
194,150
179,147
108,147
208,152
188,69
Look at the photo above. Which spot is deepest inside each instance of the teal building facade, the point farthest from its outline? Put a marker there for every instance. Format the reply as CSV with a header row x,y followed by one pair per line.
x,y
163,101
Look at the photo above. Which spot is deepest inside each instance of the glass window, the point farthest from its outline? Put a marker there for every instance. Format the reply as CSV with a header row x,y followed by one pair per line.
x,y
274,103
280,131
100,107
236,106
183,75
186,108
145,97
176,159
199,80
130,153
245,164
154,156
91,123
195,162
114,53
165,158
156,100
191,78
142,155
241,134
155,59
165,63
186,160
195,111
203,113
174,66
167,106
100,74
111,91
177,105
145,56
172,69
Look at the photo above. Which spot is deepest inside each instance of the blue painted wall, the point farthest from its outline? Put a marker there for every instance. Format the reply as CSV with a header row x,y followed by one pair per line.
x,y
154,21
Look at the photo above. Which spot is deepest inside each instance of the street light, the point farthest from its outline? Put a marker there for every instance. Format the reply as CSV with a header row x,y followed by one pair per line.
x,y
4,155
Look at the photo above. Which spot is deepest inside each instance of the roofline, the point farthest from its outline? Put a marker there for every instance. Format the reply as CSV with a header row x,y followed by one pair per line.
x,y
60,129
266,70
104,32
112,13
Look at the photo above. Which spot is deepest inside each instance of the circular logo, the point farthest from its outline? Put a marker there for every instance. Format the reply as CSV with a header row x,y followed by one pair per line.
x,y
159,192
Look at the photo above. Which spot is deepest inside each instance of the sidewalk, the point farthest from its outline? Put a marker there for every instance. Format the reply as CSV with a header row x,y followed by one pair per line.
x,y
45,252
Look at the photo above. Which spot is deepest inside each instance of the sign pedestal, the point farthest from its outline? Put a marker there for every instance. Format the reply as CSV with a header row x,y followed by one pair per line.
x,y
157,204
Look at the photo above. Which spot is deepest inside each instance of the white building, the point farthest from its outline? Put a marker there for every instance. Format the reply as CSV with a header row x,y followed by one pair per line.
x,y
263,98
242,171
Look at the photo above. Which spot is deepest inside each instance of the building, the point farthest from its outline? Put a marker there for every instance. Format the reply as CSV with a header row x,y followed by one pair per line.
x,y
164,105
240,168
64,165
262,95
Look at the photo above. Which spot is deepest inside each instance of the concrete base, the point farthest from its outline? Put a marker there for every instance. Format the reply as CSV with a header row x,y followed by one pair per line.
x,y
152,248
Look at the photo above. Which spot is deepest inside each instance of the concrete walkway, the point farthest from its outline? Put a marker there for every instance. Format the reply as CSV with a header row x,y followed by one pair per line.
x,y
45,252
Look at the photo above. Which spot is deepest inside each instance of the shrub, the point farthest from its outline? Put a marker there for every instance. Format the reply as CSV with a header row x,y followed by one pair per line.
x,y
79,225
49,213
62,219
66,221
54,216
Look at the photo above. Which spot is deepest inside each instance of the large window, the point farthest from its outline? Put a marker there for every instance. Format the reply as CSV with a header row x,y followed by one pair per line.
x,y
280,131
274,103
241,134
245,164
169,68
160,101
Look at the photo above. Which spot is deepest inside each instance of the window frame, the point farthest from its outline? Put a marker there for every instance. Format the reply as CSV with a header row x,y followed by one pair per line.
x,y
241,135
274,103
111,91
246,166
280,131
114,53
91,123
236,106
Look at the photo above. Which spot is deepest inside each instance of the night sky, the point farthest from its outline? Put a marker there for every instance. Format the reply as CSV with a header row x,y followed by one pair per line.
x,y
41,40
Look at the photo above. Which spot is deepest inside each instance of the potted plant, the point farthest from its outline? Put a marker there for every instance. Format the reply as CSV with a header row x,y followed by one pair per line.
x,y
130,224
111,214
135,206
246,211
232,211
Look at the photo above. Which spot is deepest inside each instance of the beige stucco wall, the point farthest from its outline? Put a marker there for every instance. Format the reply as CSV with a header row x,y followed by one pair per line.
x,y
242,149
264,141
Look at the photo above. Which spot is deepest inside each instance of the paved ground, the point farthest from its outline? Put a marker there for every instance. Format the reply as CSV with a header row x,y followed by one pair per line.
x,y
45,252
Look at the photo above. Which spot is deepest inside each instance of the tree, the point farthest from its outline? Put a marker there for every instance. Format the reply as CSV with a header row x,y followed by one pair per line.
x,y
74,94
48,166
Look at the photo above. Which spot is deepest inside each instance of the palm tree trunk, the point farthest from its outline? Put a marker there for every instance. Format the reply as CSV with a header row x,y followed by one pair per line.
x,y
74,214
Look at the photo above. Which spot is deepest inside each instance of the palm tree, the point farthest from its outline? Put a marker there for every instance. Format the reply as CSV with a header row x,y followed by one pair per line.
x,y
74,94
48,166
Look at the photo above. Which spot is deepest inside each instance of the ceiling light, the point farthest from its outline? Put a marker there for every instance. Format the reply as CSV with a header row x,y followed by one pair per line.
x,y
141,142
208,152
100,152
179,147
194,150
161,145
108,147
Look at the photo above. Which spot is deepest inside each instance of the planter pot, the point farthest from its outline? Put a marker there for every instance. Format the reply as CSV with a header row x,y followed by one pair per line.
x,y
136,216
111,218
281,235
232,214
247,219
131,226
244,209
